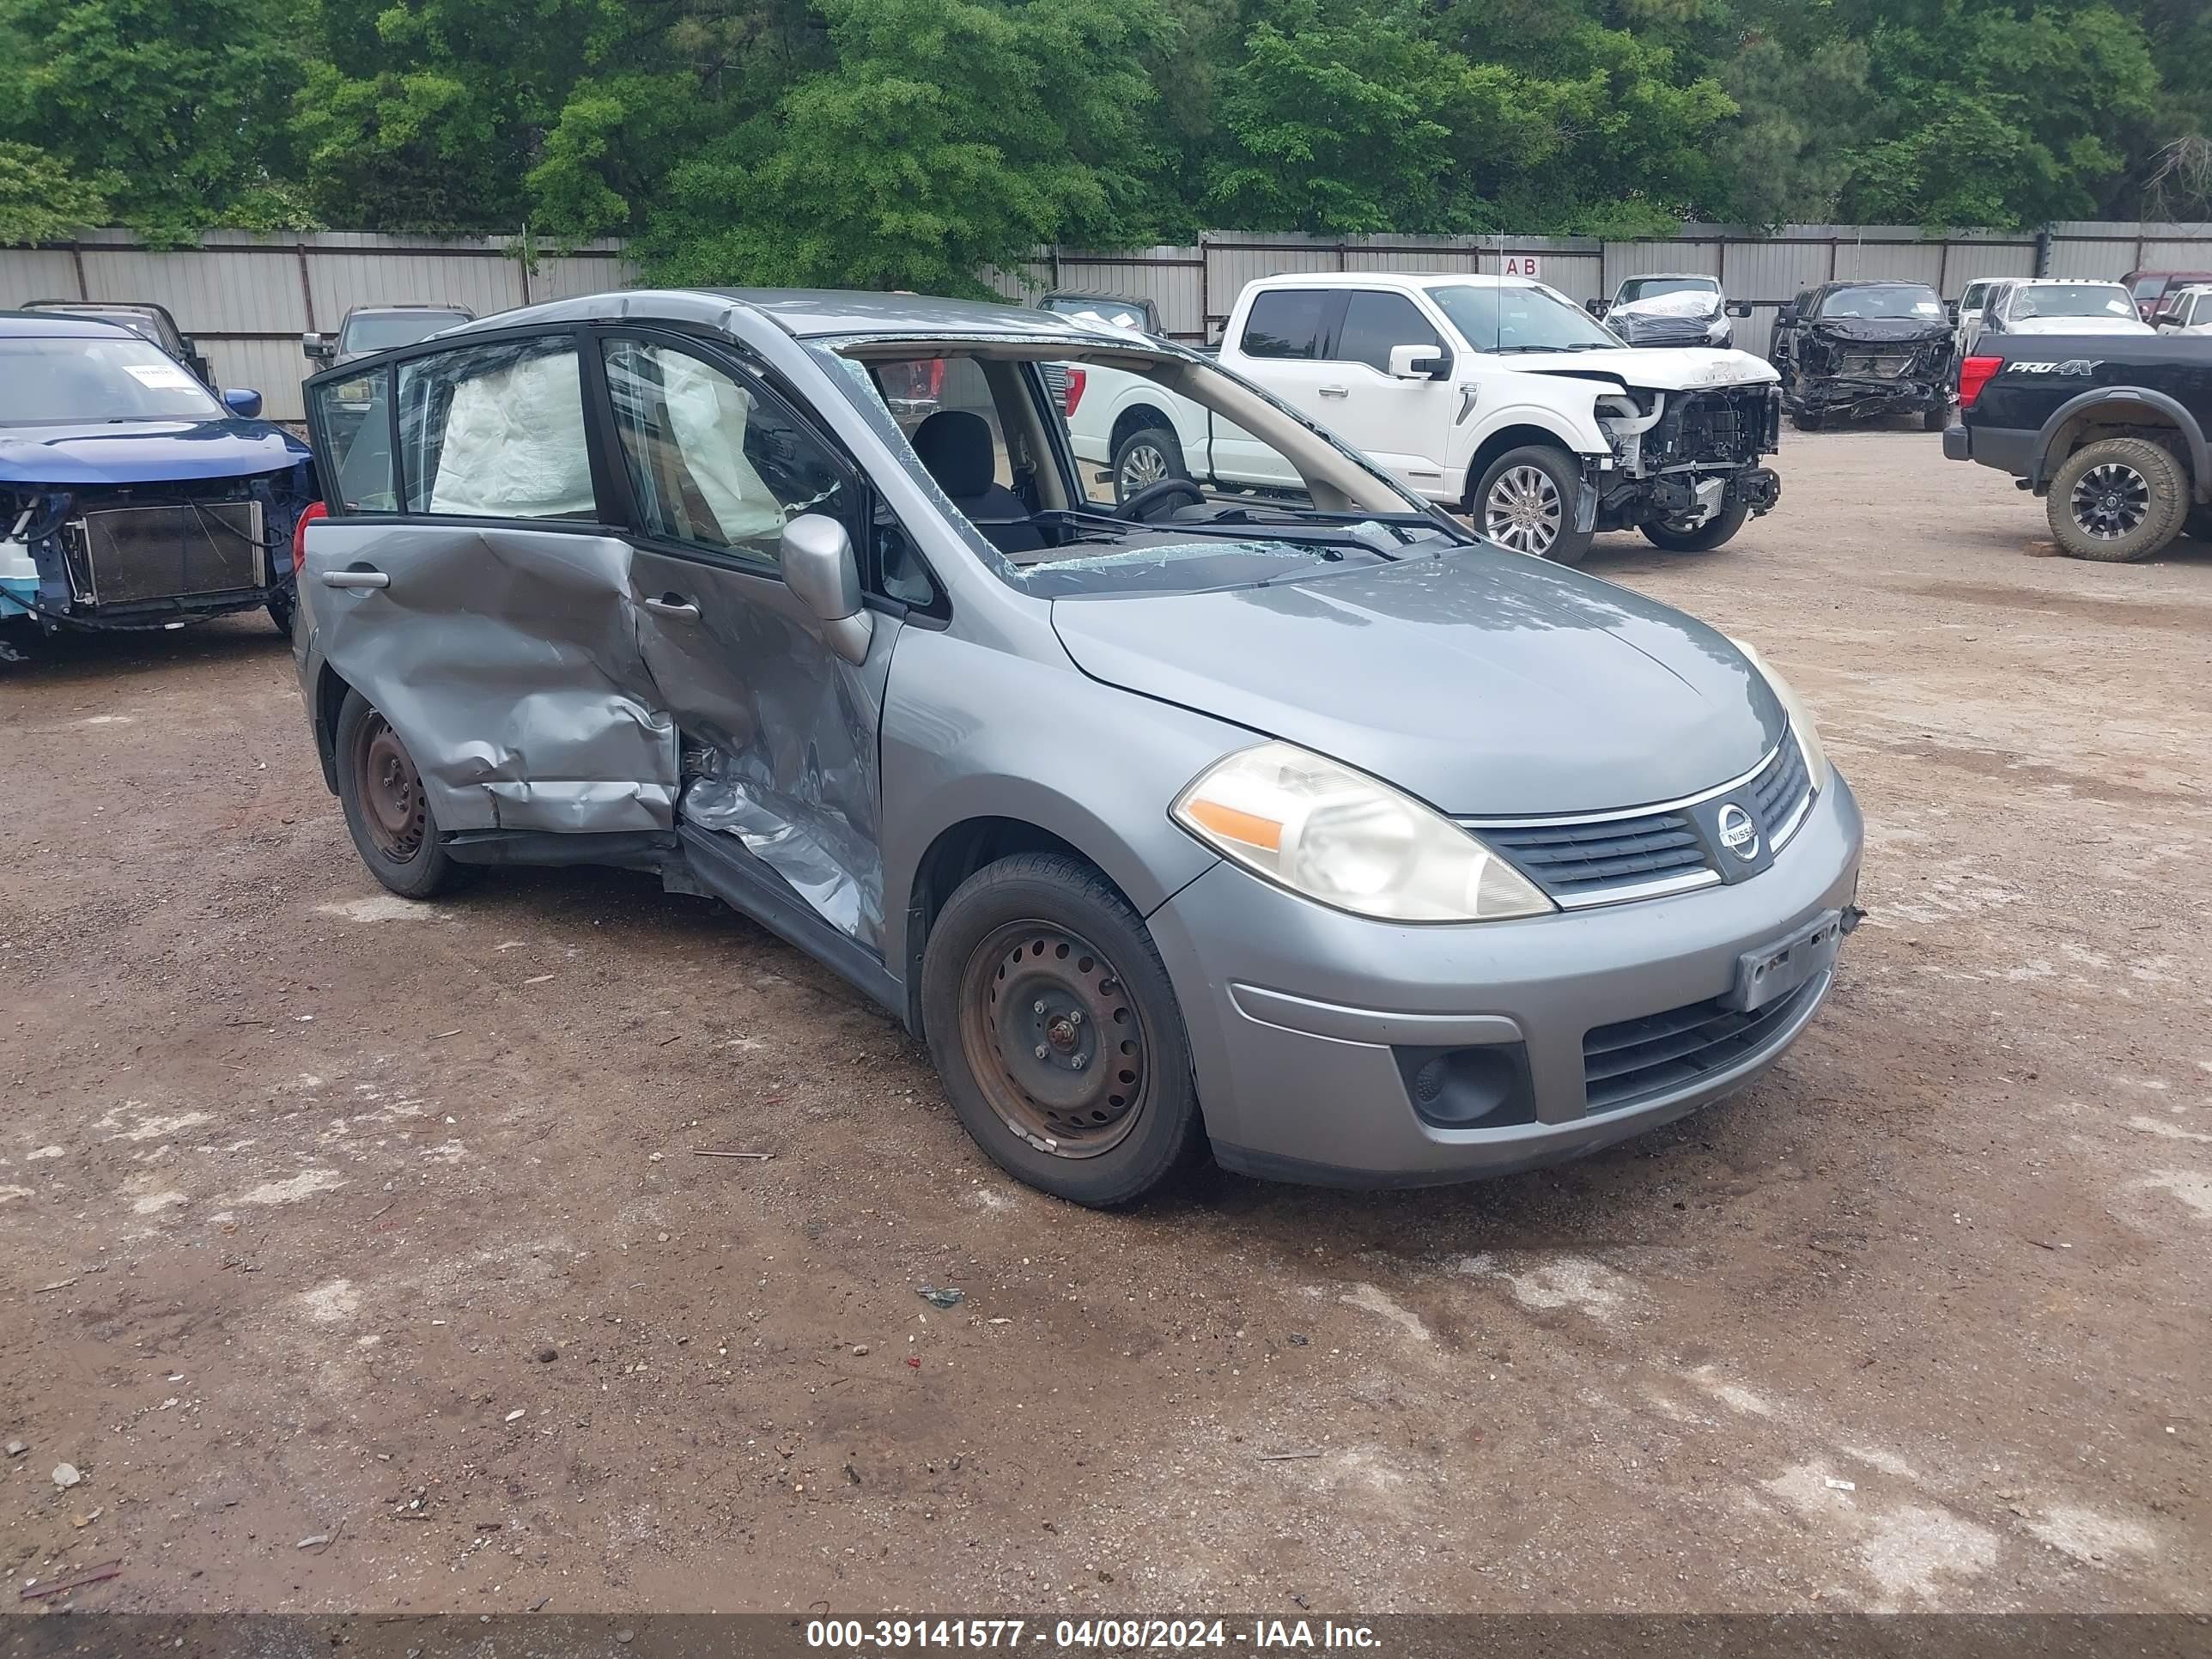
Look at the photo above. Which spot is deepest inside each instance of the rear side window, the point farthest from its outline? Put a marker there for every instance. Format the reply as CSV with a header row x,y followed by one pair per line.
x,y
1373,323
496,432
352,423
1286,322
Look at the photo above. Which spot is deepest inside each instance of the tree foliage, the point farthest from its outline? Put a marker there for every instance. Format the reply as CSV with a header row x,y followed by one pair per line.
x,y
909,142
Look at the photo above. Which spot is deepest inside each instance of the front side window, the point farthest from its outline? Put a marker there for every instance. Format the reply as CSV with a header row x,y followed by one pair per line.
x,y
1285,323
496,432
352,424
713,461
114,378
1374,322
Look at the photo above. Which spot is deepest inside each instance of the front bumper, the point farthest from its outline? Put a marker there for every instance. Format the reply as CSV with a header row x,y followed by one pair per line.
x,y
1849,396
1308,1027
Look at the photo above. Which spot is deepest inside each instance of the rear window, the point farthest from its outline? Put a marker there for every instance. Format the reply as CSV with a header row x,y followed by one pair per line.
x,y
1286,322
2149,288
496,432
382,333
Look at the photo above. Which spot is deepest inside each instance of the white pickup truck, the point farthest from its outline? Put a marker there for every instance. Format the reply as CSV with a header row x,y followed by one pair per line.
x,y
1492,396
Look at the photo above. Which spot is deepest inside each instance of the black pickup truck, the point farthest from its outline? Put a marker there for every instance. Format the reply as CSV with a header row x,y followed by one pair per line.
x,y
2109,428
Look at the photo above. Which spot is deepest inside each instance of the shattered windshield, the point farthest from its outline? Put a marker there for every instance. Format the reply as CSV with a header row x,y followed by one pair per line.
x,y
1909,302
2072,299
1118,470
123,379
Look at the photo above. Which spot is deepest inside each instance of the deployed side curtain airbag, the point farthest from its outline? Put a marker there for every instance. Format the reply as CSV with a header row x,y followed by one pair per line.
x,y
513,443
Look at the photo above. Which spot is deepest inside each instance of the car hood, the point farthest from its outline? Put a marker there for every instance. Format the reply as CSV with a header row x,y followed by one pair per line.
x,y
1487,683
2079,325
145,452
1691,368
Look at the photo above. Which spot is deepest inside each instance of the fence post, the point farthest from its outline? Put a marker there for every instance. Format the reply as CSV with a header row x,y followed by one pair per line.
x,y
2043,250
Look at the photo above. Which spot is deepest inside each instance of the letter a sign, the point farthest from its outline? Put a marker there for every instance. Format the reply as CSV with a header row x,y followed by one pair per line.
x,y
1520,265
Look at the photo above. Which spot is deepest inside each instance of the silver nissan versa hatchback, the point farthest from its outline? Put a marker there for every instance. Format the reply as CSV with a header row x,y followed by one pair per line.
x,y
1289,820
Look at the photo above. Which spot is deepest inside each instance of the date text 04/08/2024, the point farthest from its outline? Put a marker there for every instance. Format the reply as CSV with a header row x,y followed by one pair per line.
x,y
1116,1635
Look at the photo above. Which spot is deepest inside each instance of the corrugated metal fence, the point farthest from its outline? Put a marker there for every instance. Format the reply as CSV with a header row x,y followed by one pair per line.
x,y
248,298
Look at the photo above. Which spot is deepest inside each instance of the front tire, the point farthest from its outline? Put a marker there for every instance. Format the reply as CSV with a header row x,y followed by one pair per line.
x,y
2117,501
1935,420
1055,1028
1698,538
387,813
1148,456
1526,503
283,606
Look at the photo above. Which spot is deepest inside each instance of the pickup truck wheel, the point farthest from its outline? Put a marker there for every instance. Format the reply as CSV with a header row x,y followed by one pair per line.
x,y
2118,500
1148,456
1526,503
390,819
1677,536
1056,1031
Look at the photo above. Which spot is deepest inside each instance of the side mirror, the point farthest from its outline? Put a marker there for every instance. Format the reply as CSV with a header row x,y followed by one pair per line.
x,y
1737,307
1951,309
241,401
319,347
1419,363
1787,316
822,573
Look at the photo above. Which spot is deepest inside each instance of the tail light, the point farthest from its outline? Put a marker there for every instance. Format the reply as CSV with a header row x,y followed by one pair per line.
x,y
315,510
1070,392
1973,375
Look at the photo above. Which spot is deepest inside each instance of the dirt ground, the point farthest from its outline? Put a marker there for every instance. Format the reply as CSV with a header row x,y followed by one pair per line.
x,y
327,1214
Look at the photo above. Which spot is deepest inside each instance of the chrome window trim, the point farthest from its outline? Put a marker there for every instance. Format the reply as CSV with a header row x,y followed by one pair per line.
x,y
1621,813
1688,882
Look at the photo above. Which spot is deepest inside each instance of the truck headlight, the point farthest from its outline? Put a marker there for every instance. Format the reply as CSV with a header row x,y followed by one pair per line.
x,y
1347,840
1801,717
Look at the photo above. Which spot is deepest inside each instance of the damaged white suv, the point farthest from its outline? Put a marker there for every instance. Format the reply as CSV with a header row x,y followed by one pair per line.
x,y
1494,396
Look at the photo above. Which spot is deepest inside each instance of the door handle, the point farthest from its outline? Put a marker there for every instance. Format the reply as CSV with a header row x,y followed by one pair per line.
x,y
675,607
1334,392
355,579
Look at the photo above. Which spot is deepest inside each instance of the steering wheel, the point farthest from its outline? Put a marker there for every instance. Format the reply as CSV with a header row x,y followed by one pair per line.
x,y
1138,508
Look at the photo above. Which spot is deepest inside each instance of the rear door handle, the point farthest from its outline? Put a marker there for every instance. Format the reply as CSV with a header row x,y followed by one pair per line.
x,y
355,579
673,606
1335,392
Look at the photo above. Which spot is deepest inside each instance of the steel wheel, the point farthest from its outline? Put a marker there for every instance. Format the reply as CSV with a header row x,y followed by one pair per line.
x,y
1143,464
1053,1039
391,791
2110,500
1523,510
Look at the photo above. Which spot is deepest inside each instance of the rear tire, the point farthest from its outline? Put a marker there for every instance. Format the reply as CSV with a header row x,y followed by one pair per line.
x,y
1526,504
393,829
1702,538
1056,1032
1935,420
1148,456
2117,501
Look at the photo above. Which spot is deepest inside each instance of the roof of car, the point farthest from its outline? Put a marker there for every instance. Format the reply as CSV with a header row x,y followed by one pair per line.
x,y
806,314
59,325
2062,282
1673,276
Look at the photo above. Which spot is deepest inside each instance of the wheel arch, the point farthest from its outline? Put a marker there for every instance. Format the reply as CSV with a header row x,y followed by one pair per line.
x,y
1135,418
1516,435
2122,412
330,690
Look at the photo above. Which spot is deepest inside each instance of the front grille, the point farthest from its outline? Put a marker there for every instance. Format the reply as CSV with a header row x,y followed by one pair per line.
x,y
180,551
1663,1053
1885,366
1782,792
1575,859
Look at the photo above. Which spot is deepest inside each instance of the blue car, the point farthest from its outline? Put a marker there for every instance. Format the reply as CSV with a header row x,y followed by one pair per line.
x,y
131,497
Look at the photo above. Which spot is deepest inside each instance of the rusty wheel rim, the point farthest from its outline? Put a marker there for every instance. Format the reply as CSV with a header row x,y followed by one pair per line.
x,y
1054,1040
391,792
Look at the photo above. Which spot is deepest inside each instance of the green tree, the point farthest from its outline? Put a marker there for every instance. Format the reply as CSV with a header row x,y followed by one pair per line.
x,y
947,135
42,201
177,106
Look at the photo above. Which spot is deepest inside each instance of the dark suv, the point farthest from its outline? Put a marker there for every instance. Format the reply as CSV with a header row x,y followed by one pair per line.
x,y
1847,350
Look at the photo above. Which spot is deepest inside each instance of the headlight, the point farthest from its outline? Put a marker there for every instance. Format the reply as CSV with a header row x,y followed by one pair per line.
x,y
1341,837
1801,717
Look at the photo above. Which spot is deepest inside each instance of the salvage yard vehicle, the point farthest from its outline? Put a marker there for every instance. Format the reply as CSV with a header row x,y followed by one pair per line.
x,y
139,316
1492,396
131,497
1121,312
2149,288
1669,308
2187,312
365,329
2057,304
1309,825
2109,430
1849,350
